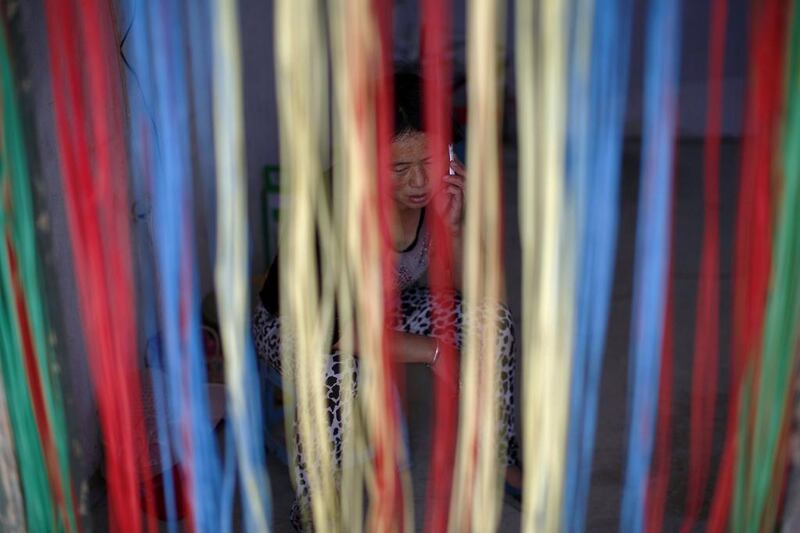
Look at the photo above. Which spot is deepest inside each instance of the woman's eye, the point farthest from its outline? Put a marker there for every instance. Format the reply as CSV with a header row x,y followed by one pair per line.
x,y
400,169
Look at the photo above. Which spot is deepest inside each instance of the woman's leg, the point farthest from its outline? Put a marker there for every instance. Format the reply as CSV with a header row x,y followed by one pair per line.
x,y
421,314
266,333
267,337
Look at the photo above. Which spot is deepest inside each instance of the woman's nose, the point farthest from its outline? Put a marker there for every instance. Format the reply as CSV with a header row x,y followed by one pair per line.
x,y
419,178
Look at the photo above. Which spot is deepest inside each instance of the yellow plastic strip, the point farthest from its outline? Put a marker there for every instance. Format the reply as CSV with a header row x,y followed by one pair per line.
x,y
476,500
548,265
355,52
305,321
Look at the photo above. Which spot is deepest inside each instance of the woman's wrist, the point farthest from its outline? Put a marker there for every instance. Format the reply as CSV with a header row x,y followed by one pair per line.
x,y
436,352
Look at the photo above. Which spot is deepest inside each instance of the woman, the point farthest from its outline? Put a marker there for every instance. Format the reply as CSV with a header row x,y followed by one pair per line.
x,y
421,321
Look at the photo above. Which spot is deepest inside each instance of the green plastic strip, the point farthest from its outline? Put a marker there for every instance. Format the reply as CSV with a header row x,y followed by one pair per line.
x,y
782,311
18,248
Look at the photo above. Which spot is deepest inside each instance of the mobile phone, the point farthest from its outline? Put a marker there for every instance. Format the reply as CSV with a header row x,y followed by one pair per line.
x,y
452,155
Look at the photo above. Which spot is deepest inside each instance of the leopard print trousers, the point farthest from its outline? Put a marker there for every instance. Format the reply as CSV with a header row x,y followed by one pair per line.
x,y
420,314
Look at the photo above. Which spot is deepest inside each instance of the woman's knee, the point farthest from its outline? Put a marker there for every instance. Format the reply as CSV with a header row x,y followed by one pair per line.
x,y
496,315
505,328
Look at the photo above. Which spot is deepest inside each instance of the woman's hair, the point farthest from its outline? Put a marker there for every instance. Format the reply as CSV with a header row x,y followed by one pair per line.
x,y
408,107
409,112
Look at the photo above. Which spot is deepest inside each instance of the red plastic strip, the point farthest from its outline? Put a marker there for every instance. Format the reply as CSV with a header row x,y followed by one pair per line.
x,y
97,207
706,340
435,40
754,220
40,413
395,384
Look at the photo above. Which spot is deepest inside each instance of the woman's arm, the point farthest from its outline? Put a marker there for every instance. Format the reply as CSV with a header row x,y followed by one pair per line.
x,y
410,348
457,272
455,219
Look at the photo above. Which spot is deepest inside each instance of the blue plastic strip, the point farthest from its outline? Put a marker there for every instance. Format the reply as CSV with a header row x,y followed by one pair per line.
x,y
143,143
162,160
595,150
653,233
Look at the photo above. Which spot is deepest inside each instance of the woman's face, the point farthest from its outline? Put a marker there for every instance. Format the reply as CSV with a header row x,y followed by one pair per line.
x,y
411,171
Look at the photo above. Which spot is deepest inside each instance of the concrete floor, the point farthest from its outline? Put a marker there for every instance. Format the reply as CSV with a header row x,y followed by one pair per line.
x,y
688,223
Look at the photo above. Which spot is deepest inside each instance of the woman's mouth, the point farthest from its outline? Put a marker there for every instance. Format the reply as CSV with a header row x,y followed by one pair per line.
x,y
417,198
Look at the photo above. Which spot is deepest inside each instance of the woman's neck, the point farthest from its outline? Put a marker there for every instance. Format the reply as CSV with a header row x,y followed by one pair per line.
x,y
406,224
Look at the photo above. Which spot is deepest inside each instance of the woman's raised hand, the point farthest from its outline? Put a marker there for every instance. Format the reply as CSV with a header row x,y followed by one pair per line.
x,y
454,188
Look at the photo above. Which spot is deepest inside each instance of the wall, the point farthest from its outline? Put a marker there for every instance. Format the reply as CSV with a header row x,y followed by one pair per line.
x,y
261,114
694,68
31,62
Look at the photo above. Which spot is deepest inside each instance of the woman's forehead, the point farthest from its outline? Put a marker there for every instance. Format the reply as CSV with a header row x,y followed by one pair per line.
x,y
409,147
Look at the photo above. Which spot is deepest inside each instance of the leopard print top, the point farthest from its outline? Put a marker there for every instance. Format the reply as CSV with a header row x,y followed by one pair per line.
x,y
412,263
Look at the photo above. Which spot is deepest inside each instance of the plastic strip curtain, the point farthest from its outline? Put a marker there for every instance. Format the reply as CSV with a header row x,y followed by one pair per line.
x,y
160,139
144,147
143,251
436,42
358,34
547,231
792,164
577,182
97,205
704,371
31,403
392,462
596,136
357,278
753,227
13,511
356,466
580,53
761,464
231,274
477,478
305,320
231,269
754,241
652,249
